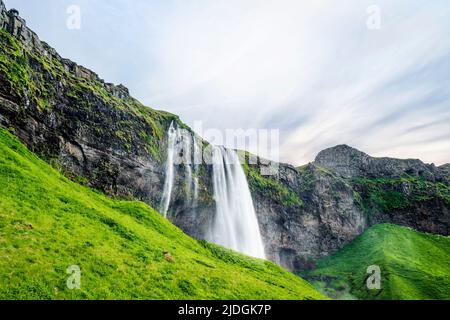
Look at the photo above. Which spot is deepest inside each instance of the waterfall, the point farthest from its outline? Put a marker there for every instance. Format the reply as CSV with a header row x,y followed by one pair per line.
x,y
173,136
186,153
181,149
197,161
235,225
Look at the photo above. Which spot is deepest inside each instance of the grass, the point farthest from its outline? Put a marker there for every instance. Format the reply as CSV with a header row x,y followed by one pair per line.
x,y
125,250
414,266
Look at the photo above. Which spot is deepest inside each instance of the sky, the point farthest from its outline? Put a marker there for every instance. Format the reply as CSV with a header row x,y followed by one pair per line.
x,y
371,74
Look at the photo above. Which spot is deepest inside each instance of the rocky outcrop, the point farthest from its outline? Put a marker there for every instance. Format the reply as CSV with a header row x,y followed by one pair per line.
x,y
97,134
326,218
445,169
350,163
406,192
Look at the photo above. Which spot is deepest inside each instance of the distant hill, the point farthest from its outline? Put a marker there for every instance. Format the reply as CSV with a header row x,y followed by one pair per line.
x,y
413,266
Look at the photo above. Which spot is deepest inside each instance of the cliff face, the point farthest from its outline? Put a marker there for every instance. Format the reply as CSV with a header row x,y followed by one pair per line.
x,y
351,163
318,218
405,192
98,135
341,194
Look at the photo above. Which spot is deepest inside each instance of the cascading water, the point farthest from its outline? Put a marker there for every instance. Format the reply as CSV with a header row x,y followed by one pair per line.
x,y
197,161
187,160
180,145
173,136
235,225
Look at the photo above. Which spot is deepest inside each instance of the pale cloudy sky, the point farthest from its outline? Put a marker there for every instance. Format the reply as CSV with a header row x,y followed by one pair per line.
x,y
311,69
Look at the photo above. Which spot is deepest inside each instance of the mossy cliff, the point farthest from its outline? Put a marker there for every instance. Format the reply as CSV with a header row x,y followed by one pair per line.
x,y
305,213
405,192
94,131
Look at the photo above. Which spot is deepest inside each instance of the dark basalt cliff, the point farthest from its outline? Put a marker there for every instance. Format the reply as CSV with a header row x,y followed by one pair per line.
x,y
318,217
98,135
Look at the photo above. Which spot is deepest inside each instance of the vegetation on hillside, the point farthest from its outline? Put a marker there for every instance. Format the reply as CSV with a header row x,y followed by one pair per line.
x,y
413,265
390,194
268,186
125,250
16,70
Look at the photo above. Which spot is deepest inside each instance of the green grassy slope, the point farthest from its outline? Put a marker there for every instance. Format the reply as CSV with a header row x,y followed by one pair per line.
x,y
413,266
125,250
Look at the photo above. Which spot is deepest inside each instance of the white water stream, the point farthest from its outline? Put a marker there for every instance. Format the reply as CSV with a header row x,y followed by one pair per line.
x,y
173,137
235,224
181,151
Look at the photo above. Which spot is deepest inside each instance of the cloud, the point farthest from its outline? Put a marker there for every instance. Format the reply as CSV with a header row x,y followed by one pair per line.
x,y
311,69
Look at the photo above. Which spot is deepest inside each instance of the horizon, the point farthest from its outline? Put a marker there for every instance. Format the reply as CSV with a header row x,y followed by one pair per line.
x,y
405,75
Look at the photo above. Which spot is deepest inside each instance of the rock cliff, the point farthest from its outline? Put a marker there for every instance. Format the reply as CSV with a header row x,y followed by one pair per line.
x,y
92,130
342,193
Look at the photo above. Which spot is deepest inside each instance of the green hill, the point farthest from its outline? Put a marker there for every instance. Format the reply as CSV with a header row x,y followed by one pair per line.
x,y
413,266
125,250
